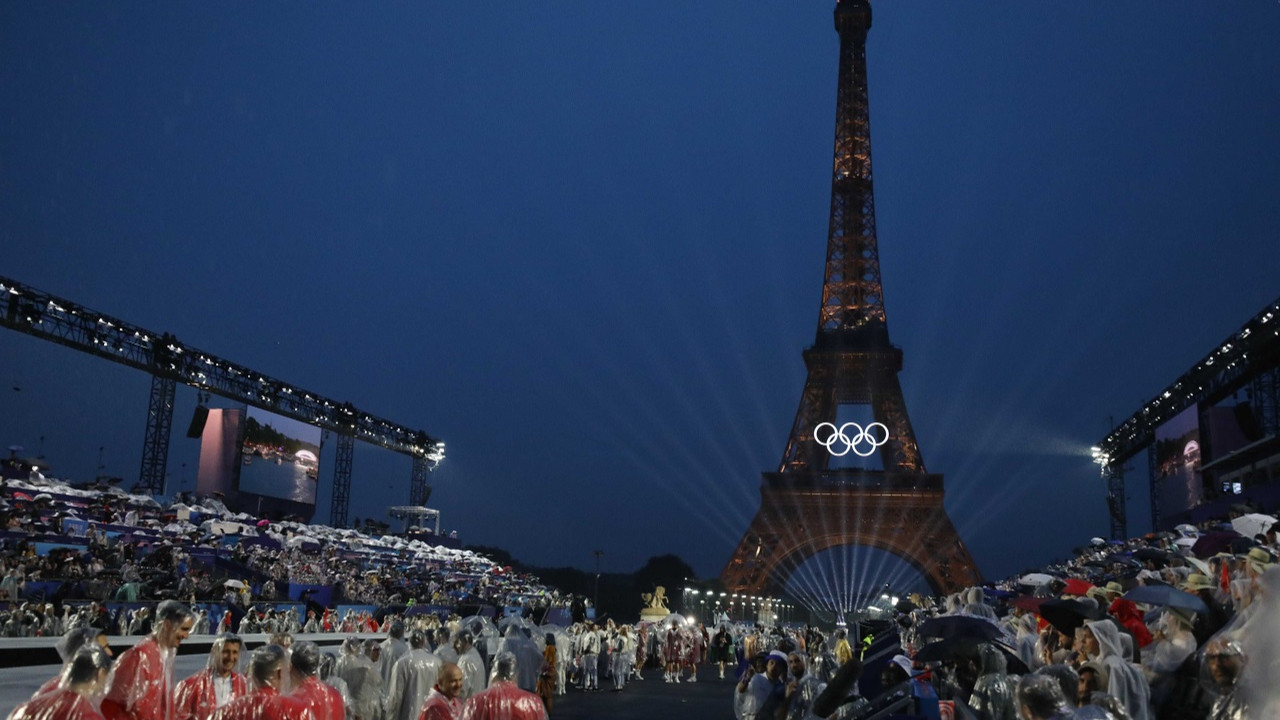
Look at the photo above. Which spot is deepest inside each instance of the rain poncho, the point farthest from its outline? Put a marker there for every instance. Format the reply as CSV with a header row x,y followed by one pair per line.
x,y
330,677
362,678
324,701
77,695
439,707
197,697
993,694
393,648
472,672
411,682
504,700
1125,681
264,703
528,657
802,692
67,647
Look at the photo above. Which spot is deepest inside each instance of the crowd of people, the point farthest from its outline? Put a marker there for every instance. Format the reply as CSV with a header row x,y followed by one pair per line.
x,y
1172,625
104,547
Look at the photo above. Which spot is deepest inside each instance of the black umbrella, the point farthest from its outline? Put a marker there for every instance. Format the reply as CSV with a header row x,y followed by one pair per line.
x,y
960,626
1067,615
1150,553
1167,596
1211,544
952,648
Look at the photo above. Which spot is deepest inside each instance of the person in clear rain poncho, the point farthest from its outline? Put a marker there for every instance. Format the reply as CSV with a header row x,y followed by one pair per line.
x,y
324,701
362,678
142,684
1124,680
197,697
268,668
411,679
79,692
993,694
469,661
504,700
67,647
329,676
802,688
527,654
393,648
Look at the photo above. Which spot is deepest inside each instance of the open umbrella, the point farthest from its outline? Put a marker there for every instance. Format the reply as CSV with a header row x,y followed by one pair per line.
x,y
959,626
1035,579
1076,586
952,648
1067,615
234,584
1213,543
1030,603
1166,595
1252,524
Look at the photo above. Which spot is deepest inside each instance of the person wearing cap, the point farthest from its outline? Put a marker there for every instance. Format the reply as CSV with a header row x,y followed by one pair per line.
x,y
1173,644
78,693
762,694
411,679
1211,622
324,701
200,695
142,684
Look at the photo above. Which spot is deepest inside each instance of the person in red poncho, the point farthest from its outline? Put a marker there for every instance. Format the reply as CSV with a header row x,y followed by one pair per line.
x,y
504,700
197,697
78,693
267,668
324,701
142,684
443,702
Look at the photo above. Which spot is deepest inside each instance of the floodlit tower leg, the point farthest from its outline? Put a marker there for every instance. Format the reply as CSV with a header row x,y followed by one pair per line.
x,y
1115,501
418,489
342,480
155,442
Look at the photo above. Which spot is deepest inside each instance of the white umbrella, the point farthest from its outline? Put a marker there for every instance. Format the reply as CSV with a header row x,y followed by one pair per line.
x,y
1252,524
1035,579
234,584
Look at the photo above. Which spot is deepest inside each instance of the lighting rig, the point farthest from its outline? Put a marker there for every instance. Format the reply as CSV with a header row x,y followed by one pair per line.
x,y
1250,356
169,361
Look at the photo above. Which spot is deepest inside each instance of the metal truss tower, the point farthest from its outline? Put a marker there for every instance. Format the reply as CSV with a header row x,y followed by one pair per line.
x,y
342,480
39,314
807,505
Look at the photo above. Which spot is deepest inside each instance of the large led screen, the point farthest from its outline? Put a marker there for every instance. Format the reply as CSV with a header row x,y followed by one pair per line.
x,y
280,457
1178,460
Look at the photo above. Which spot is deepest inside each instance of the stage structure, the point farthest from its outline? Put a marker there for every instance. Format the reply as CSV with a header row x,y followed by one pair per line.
x,y
1229,434
808,505
30,311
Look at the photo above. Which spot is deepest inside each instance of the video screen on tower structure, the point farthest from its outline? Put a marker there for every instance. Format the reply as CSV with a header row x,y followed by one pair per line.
x,y
1178,461
280,457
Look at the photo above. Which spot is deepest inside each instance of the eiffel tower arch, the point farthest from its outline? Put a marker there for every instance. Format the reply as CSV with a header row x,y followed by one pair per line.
x,y
811,504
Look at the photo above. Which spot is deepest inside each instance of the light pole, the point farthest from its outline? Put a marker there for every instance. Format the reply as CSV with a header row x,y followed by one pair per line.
x,y
596,602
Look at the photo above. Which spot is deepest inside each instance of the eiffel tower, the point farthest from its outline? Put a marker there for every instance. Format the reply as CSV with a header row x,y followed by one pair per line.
x,y
807,505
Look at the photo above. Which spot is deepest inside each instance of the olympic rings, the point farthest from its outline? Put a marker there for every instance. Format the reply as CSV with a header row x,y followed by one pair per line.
x,y
854,443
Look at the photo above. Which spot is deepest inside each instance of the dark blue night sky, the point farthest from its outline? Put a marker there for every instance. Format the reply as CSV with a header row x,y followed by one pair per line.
x,y
583,242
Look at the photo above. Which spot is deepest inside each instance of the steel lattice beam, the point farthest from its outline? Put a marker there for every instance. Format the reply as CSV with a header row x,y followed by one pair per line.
x,y
342,480
33,312
1115,502
1248,353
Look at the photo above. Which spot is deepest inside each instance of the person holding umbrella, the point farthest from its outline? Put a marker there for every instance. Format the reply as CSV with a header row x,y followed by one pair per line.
x,y
1173,644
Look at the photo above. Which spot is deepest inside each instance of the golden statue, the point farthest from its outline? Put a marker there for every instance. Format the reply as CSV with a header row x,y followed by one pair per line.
x,y
655,605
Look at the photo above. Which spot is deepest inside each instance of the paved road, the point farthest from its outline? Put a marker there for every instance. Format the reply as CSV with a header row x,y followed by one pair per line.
x,y
650,699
